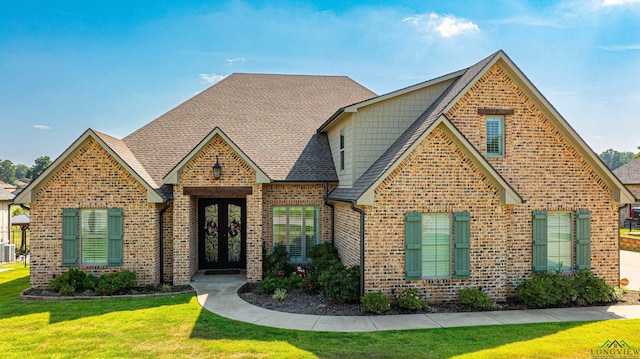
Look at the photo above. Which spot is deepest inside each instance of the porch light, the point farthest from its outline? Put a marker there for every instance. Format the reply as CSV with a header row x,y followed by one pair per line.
x,y
217,169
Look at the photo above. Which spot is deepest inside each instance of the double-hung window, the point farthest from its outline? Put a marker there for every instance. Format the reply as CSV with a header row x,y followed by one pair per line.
x,y
495,136
92,236
297,229
436,244
554,245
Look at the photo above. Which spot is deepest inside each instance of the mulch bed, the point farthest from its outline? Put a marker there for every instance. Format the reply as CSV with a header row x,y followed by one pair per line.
x,y
297,301
47,294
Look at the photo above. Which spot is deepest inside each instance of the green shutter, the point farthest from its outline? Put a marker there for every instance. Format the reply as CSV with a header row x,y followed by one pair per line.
x,y
461,245
413,245
69,237
583,239
539,256
115,227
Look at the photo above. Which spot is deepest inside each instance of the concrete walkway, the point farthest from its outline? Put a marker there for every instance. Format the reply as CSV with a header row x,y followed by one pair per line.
x,y
630,268
218,294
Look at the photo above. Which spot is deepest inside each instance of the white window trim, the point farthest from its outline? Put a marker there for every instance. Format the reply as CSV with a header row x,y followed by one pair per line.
x,y
502,135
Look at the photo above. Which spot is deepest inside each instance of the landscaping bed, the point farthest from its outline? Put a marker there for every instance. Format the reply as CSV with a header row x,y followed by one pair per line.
x,y
149,291
298,301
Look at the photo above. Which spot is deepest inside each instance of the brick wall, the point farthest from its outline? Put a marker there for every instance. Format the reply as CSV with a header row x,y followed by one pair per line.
x,y
74,186
198,172
543,167
435,177
347,237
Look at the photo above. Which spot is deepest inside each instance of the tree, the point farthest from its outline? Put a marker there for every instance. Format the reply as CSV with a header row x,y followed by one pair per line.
x,y
7,172
637,154
614,159
40,164
22,171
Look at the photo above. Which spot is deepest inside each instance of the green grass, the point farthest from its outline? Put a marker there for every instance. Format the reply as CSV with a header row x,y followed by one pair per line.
x,y
176,326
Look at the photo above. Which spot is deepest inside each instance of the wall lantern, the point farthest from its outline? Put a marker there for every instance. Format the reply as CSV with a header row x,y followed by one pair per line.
x,y
217,169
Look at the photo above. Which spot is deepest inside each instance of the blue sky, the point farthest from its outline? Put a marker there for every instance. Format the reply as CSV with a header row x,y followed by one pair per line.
x,y
114,66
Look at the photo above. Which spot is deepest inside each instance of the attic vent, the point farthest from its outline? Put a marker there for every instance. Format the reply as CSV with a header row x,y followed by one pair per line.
x,y
495,111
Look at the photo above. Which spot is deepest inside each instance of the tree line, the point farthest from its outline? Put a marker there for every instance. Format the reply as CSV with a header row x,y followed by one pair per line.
x,y
10,172
614,159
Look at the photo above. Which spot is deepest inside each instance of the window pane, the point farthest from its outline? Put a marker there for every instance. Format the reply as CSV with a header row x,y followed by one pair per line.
x,y
436,244
93,231
494,136
311,229
559,237
279,226
295,234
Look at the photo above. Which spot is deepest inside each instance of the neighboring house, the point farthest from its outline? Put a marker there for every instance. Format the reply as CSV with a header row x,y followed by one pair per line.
x,y
8,187
468,180
5,228
629,175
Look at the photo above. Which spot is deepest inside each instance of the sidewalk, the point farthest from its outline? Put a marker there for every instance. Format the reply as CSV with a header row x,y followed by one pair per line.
x,y
218,294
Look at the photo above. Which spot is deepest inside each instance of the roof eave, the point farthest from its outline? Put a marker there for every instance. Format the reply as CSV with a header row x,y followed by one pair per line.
x,y
28,195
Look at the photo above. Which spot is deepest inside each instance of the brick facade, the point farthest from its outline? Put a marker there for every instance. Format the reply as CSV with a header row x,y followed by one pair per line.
x,y
74,186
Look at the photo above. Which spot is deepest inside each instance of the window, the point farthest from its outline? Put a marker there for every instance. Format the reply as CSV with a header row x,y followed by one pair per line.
x,y
341,150
553,240
297,229
495,136
428,245
92,237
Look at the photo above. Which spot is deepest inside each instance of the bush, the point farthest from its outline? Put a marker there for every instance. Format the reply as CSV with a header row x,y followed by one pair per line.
x,y
324,255
73,281
277,263
475,298
411,299
552,289
116,283
590,289
269,285
616,293
374,302
341,283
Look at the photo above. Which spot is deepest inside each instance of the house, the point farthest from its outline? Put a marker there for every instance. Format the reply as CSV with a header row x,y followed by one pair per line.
x,y
629,175
5,228
8,187
468,180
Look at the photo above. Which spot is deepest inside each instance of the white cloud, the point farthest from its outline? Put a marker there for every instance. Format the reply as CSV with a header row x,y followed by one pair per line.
x,y
237,59
616,48
41,127
211,78
619,2
445,26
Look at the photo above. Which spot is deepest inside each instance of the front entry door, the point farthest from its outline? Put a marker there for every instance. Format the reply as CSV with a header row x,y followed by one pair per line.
x,y
222,233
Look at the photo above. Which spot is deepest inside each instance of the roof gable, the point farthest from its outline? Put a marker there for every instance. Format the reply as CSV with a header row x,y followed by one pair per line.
x,y
113,146
173,177
362,190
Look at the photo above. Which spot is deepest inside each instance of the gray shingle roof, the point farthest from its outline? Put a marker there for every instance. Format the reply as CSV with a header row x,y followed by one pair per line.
x,y
272,118
629,173
422,124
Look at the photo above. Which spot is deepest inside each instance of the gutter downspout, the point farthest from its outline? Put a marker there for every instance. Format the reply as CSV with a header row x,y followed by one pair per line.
x,y
333,213
353,207
166,206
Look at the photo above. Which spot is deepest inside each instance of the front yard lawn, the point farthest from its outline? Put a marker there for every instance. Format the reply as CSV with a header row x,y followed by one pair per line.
x,y
176,326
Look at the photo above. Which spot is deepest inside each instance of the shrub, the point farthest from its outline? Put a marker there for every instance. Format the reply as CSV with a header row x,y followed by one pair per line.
x,y
269,285
547,289
280,294
277,263
411,299
341,283
590,289
616,293
324,256
73,281
475,298
116,283
374,302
